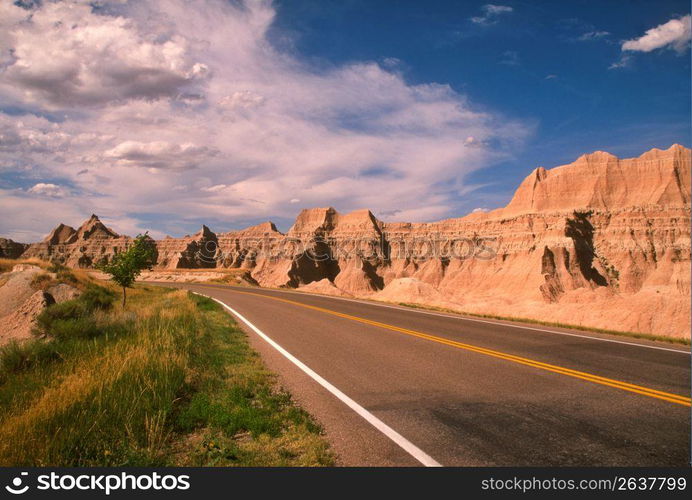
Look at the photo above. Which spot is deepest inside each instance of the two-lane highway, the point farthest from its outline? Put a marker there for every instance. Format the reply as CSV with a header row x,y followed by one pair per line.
x,y
467,392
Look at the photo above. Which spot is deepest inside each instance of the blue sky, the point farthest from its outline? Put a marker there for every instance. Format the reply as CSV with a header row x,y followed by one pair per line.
x,y
545,63
158,117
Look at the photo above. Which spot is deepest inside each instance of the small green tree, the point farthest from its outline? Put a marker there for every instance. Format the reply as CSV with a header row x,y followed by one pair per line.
x,y
128,264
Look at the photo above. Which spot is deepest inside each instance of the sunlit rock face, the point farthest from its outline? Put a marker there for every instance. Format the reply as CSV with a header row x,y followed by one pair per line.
x,y
600,242
87,246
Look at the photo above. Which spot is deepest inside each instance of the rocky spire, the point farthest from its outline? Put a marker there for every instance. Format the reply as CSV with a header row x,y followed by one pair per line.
x,y
61,235
94,228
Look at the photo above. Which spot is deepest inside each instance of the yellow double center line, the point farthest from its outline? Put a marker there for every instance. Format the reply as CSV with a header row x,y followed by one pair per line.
x,y
625,386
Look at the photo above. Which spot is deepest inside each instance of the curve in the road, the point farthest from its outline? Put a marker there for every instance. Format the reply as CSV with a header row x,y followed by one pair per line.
x,y
467,393
618,384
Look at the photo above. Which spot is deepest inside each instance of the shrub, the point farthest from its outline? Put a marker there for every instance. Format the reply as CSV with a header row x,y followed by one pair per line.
x,y
69,310
74,318
97,297
82,327
15,357
41,281
66,276
57,267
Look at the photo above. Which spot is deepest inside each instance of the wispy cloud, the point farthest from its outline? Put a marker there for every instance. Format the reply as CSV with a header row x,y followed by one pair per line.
x,y
510,58
576,30
160,154
491,14
624,62
592,35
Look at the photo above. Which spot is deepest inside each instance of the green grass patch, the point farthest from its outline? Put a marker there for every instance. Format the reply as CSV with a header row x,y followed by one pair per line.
x,y
171,380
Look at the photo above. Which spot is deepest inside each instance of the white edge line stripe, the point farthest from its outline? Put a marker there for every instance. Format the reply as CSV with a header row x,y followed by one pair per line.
x,y
464,318
400,440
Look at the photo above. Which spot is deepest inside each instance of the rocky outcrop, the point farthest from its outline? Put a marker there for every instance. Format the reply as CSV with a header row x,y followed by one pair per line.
x,y
601,181
63,292
11,249
18,324
190,252
21,302
16,287
346,249
324,287
600,242
92,243
61,235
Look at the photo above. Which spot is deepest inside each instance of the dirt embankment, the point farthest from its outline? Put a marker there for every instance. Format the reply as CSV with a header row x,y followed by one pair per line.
x,y
25,291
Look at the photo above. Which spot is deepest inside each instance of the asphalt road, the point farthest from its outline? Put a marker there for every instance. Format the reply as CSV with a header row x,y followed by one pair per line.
x,y
468,392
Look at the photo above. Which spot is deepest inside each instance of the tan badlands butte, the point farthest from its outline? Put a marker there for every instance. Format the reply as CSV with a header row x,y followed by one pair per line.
x,y
602,242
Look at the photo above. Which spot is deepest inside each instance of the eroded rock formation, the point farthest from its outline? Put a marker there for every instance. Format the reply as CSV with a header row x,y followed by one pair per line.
x,y
11,249
86,246
600,242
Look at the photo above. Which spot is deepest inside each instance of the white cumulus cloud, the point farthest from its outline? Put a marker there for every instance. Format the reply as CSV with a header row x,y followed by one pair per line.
x,y
675,33
48,189
64,53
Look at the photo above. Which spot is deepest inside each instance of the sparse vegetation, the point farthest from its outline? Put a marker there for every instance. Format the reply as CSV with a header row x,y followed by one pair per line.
x,y
611,271
76,318
236,277
128,264
56,267
52,274
42,281
7,264
171,381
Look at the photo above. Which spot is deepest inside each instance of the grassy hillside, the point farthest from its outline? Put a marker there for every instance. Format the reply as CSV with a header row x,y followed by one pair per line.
x,y
170,380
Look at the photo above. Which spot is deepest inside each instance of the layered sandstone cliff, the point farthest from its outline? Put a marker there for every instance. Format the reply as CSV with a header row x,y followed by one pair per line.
x,y
86,246
600,242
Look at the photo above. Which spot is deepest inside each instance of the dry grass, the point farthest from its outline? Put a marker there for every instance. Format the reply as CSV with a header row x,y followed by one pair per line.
x,y
53,274
169,367
183,272
7,264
